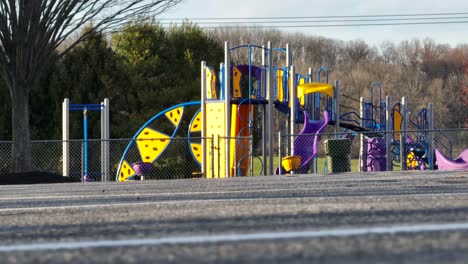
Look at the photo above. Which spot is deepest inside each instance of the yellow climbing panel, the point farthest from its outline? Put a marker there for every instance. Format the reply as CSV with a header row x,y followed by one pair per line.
x,y
197,151
216,127
175,116
196,125
151,144
126,171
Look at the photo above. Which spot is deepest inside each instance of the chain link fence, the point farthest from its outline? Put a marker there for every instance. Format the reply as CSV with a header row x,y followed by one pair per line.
x,y
350,151
372,151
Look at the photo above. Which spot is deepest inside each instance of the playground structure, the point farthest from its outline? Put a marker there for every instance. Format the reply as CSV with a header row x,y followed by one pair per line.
x,y
235,126
103,108
249,95
237,110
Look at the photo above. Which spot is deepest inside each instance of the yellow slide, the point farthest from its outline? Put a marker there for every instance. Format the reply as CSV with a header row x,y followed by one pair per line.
x,y
308,88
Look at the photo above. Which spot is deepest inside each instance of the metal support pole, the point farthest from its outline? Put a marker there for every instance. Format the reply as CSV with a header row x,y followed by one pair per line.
x,y
336,107
227,103
105,143
404,113
280,166
363,145
388,134
265,131
270,98
430,150
213,149
309,101
66,138
203,117
85,144
293,106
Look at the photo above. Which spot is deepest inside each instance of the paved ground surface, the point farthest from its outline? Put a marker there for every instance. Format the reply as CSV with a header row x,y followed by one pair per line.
x,y
348,218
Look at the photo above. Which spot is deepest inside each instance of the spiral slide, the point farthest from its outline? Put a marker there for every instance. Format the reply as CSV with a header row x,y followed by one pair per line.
x,y
306,143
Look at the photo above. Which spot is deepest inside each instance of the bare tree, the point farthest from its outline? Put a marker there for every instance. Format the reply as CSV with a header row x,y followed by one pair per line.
x,y
30,33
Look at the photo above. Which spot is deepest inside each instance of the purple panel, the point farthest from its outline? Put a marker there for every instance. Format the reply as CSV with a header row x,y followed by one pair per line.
x,y
445,163
142,168
256,72
463,155
376,154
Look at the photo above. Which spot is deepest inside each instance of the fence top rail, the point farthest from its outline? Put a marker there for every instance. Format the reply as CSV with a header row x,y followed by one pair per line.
x,y
382,133
282,134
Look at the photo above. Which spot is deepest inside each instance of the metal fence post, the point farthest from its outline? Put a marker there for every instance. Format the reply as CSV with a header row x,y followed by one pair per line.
x,y
280,142
212,156
388,135
65,138
363,145
430,150
403,133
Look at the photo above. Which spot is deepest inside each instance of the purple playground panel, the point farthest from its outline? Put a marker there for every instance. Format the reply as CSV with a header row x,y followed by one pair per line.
x,y
306,145
142,168
463,155
254,72
445,163
376,154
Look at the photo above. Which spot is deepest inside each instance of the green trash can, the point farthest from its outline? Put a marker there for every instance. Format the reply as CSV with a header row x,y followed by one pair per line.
x,y
338,153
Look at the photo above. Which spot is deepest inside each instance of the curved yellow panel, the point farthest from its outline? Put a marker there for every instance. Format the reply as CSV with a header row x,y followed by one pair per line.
x,y
197,151
196,123
126,171
397,121
236,83
209,88
175,115
211,84
279,85
315,87
151,144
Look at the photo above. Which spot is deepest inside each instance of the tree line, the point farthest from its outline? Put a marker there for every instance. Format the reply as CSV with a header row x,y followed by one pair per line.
x,y
145,68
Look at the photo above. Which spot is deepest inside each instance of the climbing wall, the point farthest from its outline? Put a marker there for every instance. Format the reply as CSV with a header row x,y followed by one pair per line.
x,y
216,151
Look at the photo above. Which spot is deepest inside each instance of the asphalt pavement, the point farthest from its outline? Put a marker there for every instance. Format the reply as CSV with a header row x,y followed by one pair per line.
x,y
408,217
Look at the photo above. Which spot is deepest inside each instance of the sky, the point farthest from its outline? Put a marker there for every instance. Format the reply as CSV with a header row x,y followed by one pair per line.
x,y
452,34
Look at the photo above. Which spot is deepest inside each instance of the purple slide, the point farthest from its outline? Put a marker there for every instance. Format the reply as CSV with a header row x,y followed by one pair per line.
x,y
306,143
445,163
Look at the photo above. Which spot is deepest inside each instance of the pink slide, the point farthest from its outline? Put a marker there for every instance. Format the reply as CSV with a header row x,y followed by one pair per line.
x,y
445,163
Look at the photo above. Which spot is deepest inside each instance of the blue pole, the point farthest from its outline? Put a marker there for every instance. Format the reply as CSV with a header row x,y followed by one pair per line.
x,y
85,144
